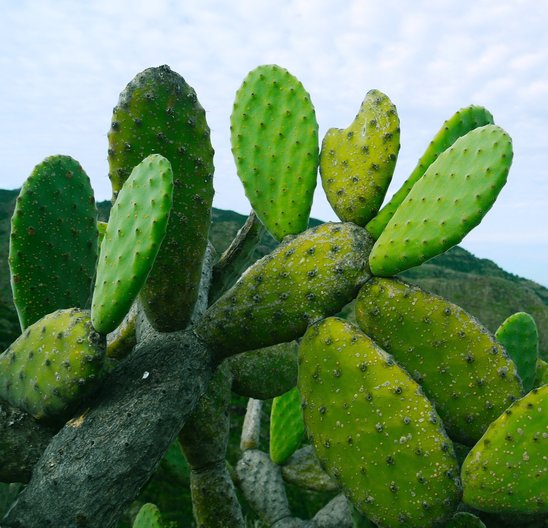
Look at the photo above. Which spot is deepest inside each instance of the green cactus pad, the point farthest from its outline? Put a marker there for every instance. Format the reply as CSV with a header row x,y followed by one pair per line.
x,y
158,112
304,279
53,243
452,197
462,122
286,426
274,137
506,471
149,516
519,336
136,227
460,365
53,365
541,376
357,163
464,520
373,429
101,230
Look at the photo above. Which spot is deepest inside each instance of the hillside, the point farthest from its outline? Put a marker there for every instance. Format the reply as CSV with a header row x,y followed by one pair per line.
x,y
478,285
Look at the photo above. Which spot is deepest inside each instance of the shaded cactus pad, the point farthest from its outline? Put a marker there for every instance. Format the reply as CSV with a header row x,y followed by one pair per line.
x,y
135,231
53,243
506,471
274,137
452,197
57,361
373,429
357,163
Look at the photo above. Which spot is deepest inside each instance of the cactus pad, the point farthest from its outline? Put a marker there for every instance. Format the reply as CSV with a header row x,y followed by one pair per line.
x,y
541,375
158,112
136,228
506,470
519,336
450,199
357,163
286,426
373,429
464,520
460,365
275,145
53,243
53,365
149,516
462,122
313,275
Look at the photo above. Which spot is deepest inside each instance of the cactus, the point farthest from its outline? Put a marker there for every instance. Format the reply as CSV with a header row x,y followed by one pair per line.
x,y
506,470
357,163
274,137
464,520
149,516
541,373
53,242
519,336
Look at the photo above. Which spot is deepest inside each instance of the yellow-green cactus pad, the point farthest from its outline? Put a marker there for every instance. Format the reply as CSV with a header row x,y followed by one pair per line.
x,y
541,376
53,242
458,125
53,365
507,470
149,516
455,193
373,429
286,426
308,277
357,163
274,137
135,231
461,367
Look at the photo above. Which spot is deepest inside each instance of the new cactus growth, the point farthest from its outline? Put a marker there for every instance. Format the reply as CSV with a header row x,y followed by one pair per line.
x,y
357,163
53,242
274,137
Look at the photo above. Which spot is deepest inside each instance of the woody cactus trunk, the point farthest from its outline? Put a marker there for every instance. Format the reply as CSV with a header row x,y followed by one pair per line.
x,y
121,334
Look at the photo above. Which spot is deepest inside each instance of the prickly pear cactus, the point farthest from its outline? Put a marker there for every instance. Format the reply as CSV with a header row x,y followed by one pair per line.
x,y
461,367
506,470
464,520
136,228
149,516
274,137
541,373
373,429
158,112
57,361
53,242
462,122
519,336
452,197
357,163
305,279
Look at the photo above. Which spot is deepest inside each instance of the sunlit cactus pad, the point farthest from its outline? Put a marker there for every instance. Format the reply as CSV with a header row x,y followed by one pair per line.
x,y
462,122
357,163
135,231
53,243
274,137
373,429
149,516
461,367
507,470
452,197
49,369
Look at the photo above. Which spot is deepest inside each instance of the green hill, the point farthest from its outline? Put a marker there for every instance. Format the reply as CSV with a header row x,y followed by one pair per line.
x,y
478,285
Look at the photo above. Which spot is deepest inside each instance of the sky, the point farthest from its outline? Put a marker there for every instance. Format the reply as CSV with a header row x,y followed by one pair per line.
x,y
64,63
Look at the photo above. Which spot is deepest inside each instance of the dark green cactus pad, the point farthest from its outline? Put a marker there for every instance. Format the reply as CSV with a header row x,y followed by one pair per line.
x,y
53,365
274,137
136,228
286,426
464,520
158,112
53,242
506,471
451,198
149,516
309,277
519,336
357,163
462,122
541,376
461,367
373,429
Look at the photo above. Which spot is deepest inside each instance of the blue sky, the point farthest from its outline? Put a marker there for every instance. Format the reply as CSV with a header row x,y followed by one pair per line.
x,y
64,63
